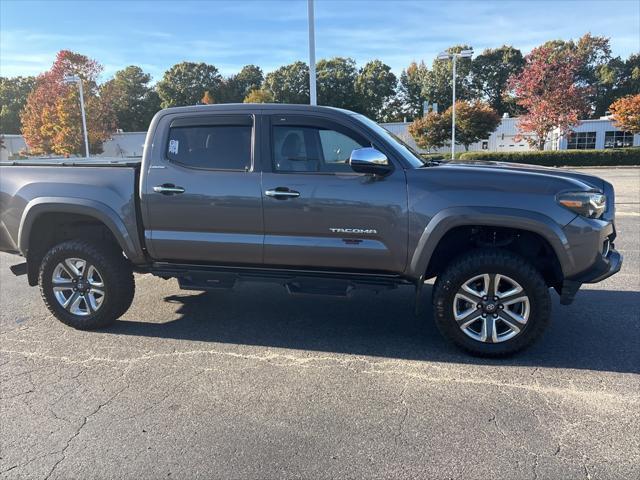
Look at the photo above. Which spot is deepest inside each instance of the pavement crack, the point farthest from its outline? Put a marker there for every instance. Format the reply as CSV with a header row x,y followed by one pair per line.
x,y
403,417
79,429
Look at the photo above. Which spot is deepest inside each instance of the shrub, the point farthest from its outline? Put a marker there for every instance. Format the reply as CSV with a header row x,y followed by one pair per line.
x,y
555,158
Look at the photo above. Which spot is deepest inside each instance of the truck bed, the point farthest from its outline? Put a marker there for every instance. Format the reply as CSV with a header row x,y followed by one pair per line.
x,y
105,189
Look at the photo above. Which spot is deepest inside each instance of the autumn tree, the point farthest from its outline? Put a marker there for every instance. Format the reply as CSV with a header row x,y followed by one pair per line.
x,y
430,131
626,113
259,95
51,121
207,99
547,89
132,98
490,72
289,83
13,97
475,121
375,87
185,84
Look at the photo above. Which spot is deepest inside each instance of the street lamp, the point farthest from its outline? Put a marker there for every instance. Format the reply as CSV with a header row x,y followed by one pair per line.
x,y
70,79
312,54
453,56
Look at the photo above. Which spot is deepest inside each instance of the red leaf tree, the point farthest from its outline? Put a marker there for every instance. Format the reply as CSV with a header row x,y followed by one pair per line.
x,y
548,89
51,121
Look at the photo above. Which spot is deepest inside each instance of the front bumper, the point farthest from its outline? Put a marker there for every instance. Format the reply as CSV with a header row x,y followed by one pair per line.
x,y
594,254
603,268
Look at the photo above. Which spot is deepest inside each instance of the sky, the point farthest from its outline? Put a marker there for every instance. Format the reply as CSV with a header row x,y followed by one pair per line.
x,y
229,34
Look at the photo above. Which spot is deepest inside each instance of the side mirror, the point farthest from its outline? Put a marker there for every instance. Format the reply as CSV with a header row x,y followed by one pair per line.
x,y
369,160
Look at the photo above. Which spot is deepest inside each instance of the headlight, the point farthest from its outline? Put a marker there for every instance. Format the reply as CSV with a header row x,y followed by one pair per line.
x,y
587,204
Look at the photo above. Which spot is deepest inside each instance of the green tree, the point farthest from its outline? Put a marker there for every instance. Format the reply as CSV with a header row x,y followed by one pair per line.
x,y
132,98
259,95
375,87
13,97
438,83
289,83
629,82
236,87
412,82
596,71
336,82
490,72
186,82
392,110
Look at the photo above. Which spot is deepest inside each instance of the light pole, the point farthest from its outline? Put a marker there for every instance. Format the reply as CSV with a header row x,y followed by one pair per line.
x,y
312,54
454,57
70,79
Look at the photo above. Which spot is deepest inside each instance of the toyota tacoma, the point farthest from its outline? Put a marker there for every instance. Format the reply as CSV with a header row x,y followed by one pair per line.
x,y
319,199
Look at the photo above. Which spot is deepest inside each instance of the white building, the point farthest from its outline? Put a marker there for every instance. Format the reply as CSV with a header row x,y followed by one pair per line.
x,y
589,134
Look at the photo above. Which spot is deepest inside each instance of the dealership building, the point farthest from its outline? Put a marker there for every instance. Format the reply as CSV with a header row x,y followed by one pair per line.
x,y
589,134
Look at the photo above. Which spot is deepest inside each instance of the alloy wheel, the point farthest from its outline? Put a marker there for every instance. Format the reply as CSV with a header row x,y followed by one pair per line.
x,y
78,286
491,308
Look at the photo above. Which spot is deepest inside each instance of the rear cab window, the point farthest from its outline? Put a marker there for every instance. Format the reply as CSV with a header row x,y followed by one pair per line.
x,y
218,143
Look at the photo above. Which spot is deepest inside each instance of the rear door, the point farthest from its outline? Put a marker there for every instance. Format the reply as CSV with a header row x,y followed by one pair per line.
x,y
202,195
319,213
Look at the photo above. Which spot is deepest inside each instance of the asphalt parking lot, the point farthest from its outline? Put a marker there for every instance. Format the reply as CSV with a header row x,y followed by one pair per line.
x,y
256,384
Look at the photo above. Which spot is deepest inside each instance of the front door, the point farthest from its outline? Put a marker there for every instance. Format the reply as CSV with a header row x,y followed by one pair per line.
x,y
318,213
202,198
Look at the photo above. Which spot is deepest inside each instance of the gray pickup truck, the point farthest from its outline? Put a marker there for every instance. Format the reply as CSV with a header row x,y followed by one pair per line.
x,y
318,199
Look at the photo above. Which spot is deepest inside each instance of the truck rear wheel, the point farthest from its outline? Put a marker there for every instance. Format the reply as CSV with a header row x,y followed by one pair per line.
x,y
86,285
491,303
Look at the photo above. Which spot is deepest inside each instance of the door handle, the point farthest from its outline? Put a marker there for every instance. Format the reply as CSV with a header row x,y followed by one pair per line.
x,y
168,189
281,193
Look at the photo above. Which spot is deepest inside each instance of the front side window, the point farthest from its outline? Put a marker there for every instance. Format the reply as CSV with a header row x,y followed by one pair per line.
x,y
311,149
615,139
217,147
581,140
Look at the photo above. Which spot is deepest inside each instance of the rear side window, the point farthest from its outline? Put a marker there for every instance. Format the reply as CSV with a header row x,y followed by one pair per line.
x,y
223,147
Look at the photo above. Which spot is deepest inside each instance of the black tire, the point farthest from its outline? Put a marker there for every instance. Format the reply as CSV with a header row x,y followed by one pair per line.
x,y
491,261
116,274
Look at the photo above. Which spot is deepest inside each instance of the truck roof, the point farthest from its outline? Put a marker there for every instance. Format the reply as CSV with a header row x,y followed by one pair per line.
x,y
252,107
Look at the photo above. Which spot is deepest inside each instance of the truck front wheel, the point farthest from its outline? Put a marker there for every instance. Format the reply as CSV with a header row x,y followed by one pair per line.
x,y
491,303
86,285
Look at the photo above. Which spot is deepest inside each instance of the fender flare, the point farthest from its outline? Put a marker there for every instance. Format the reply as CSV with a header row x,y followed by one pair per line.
x,y
91,208
454,217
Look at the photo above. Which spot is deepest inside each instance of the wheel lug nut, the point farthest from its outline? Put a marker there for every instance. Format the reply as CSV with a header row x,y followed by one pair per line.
x,y
495,315
485,298
500,306
495,299
484,315
479,305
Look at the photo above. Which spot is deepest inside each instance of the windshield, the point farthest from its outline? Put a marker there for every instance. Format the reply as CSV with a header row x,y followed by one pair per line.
x,y
404,150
